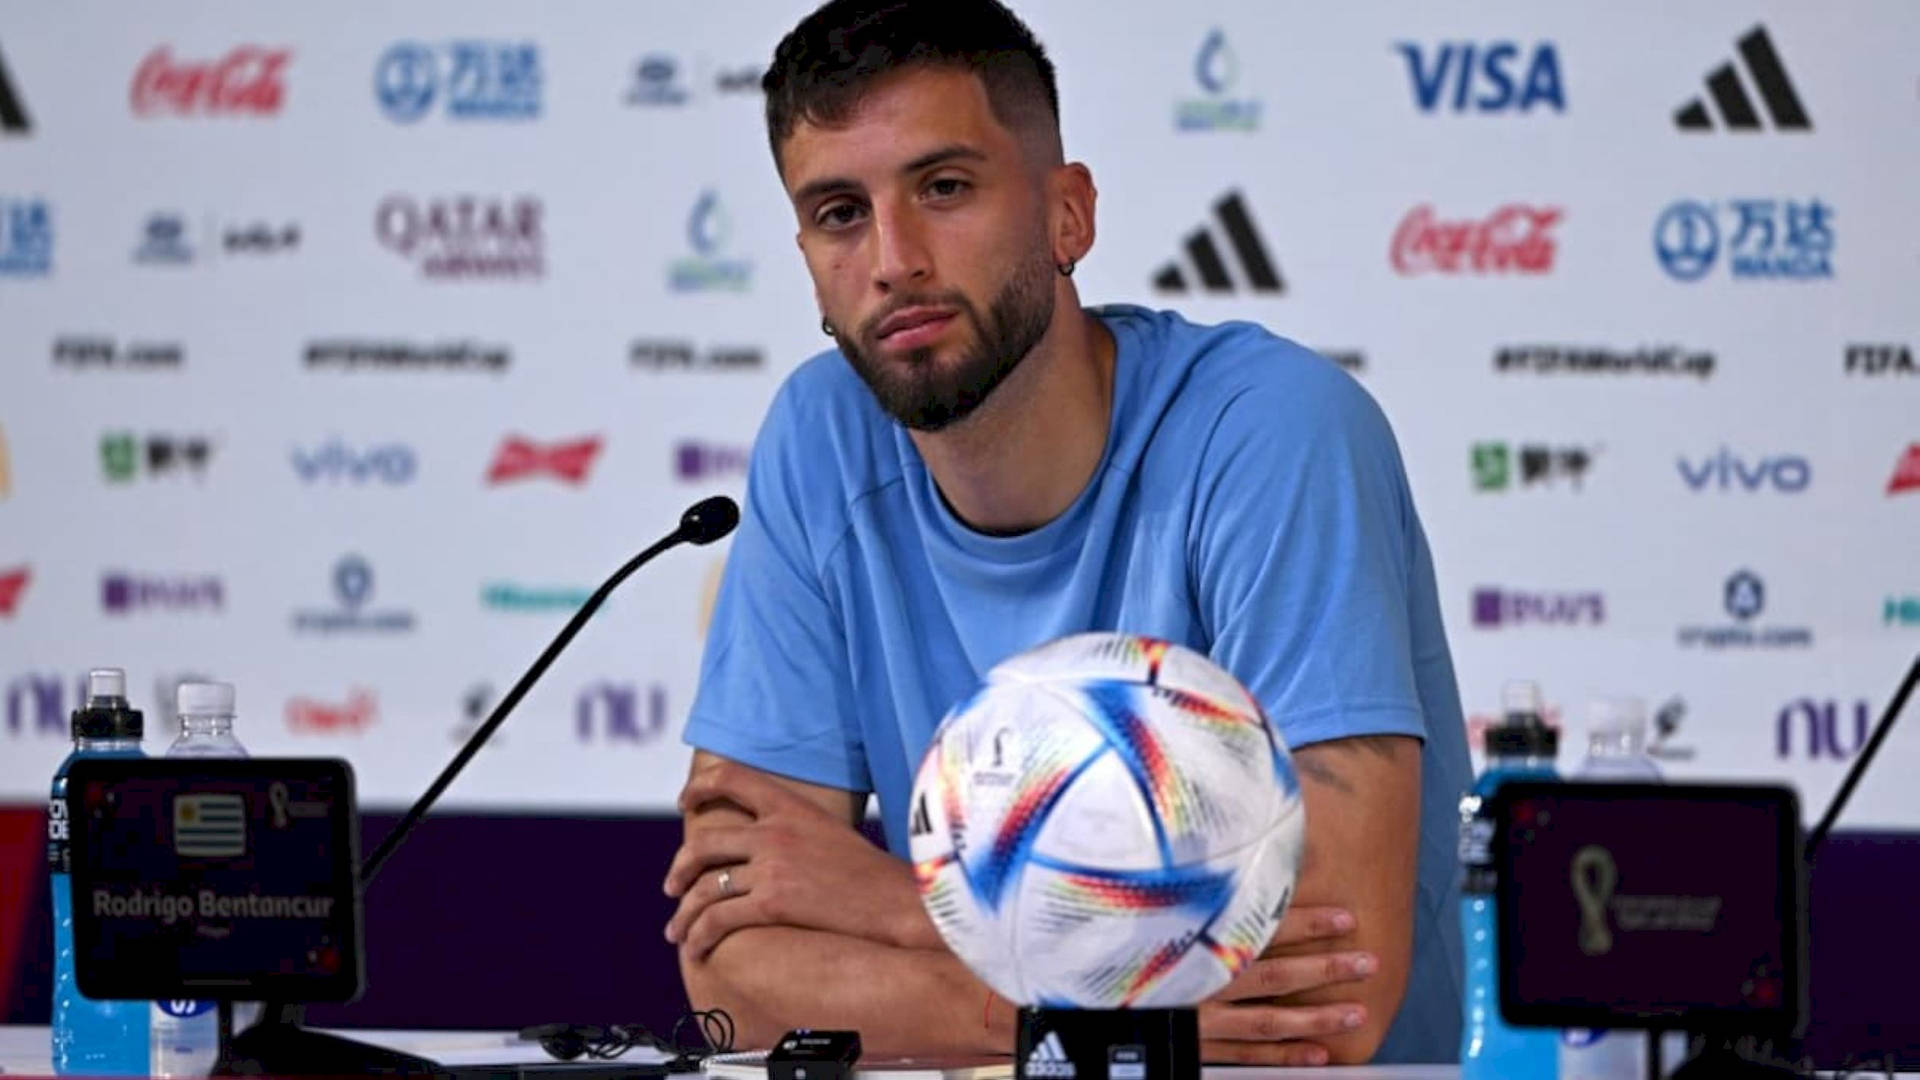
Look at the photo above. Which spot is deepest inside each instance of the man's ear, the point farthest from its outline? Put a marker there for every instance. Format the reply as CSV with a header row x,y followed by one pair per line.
x,y
1070,197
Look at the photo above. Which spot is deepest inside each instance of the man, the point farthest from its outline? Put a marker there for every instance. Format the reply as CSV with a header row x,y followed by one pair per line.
x,y
983,466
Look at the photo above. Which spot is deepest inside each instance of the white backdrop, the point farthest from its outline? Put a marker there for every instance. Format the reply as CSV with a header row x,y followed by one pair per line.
x,y
318,526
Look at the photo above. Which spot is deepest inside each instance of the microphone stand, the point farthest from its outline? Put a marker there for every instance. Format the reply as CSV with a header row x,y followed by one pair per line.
x,y
277,1045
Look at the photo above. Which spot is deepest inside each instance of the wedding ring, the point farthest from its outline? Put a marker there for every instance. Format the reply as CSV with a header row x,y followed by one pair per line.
x,y
726,882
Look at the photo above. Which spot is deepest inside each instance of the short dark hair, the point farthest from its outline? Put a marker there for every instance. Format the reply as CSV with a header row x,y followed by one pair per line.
x,y
824,68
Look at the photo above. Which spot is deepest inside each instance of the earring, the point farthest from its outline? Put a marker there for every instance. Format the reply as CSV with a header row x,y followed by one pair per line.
x,y
1066,269
826,327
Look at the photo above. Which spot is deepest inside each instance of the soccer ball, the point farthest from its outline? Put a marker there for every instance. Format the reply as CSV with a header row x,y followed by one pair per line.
x,y
1109,822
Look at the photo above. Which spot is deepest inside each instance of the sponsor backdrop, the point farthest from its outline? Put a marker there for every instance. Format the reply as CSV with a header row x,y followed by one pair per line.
x,y
342,352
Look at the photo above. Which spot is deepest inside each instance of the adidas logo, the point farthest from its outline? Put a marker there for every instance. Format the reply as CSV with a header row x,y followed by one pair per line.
x,y
1256,267
1049,1060
922,823
13,117
1730,98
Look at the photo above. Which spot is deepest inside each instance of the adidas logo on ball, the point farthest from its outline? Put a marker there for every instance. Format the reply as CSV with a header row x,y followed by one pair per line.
x,y
1049,1060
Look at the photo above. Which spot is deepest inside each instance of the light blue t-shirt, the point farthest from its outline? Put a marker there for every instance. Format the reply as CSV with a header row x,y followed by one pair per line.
x,y
1250,504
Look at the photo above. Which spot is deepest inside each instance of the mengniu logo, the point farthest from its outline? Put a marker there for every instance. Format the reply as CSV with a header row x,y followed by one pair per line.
x,y
13,111
1767,73
310,716
620,712
1256,271
1906,472
1484,77
13,585
470,80
1501,466
695,461
1762,239
124,458
1217,69
26,238
708,269
248,81
523,459
1514,239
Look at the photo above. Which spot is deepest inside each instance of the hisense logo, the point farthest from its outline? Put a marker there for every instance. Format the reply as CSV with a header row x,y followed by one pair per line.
x,y
506,596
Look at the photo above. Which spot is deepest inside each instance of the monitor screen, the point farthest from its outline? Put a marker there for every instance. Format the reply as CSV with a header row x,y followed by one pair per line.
x,y
198,878
1650,905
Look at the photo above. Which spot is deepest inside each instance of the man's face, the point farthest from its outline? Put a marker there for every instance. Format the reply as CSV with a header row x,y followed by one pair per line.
x,y
925,229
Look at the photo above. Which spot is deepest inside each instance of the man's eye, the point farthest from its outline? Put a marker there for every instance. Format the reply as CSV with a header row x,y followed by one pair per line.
x,y
947,186
838,216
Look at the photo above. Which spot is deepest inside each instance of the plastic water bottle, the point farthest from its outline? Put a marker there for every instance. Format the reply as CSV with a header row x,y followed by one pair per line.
x,y
1520,747
91,1038
1617,752
185,1039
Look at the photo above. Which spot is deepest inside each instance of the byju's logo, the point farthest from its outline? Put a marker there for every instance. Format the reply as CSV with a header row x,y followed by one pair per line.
x,y
1494,465
1822,723
524,459
1744,596
1883,359
1257,272
610,712
335,462
1788,474
83,352
657,82
13,585
123,458
700,461
249,80
1902,610
1737,113
1767,239
1906,472
1484,77
124,594
708,269
1217,68
1495,608
471,80
26,238
353,587
1515,239
465,237
307,716
13,113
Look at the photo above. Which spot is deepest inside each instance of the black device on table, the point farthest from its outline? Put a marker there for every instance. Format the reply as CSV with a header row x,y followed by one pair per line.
x,y
806,1054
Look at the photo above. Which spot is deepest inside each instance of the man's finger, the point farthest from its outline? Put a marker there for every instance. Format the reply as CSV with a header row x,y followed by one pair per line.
x,y
1284,975
749,789
705,848
1303,924
1273,1023
704,893
718,920
1294,1053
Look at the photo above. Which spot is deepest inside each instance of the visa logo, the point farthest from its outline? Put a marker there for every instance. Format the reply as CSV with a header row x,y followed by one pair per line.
x,y
391,463
1726,471
1487,77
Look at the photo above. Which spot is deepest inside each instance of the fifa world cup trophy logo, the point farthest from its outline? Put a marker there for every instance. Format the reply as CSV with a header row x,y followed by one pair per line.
x,y
1594,877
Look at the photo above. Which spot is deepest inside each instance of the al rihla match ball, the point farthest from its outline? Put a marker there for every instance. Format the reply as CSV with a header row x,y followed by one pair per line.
x,y
1108,822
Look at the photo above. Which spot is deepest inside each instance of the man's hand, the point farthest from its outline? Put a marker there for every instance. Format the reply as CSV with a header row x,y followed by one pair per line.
x,y
1245,1024
794,864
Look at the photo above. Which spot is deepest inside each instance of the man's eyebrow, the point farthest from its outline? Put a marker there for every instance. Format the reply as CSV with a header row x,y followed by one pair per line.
x,y
835,185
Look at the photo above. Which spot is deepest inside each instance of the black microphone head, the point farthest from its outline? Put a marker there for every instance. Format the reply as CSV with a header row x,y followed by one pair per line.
x,y
709,519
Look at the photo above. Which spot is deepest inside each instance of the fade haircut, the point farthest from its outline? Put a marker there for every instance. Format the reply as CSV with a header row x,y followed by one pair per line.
x,y
828,64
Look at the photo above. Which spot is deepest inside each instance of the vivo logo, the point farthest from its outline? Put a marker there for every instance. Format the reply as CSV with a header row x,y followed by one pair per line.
x,y
1823,723
1482,77
1727,471
389,463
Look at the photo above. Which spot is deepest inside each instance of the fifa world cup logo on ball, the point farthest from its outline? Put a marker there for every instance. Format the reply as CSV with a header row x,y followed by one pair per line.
x,y
1109,822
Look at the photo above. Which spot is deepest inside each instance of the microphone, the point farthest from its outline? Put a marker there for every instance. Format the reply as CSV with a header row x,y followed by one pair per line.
x,y
703,523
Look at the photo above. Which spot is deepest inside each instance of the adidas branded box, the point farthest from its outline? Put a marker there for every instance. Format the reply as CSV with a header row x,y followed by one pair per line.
x,y
1107,1044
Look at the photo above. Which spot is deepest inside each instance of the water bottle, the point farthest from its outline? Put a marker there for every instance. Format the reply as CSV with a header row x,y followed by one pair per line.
x,y
186,1034
91,1038
1521,746
1617,752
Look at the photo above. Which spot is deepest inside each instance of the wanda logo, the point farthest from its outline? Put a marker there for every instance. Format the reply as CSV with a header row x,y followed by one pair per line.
x,y
1515,239
249,79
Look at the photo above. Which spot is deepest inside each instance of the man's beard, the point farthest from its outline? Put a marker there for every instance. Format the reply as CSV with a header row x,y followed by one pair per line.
x,y
925,395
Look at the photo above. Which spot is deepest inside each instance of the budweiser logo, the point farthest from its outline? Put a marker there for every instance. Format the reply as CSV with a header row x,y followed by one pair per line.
x,y
1514,239
247,80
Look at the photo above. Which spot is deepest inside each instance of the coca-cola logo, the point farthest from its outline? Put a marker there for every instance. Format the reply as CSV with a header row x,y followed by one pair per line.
x,y
249,79
1515,239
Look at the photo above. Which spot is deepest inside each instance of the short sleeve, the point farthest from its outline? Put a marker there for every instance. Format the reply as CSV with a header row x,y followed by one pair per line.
x,y
774,690
1302,554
